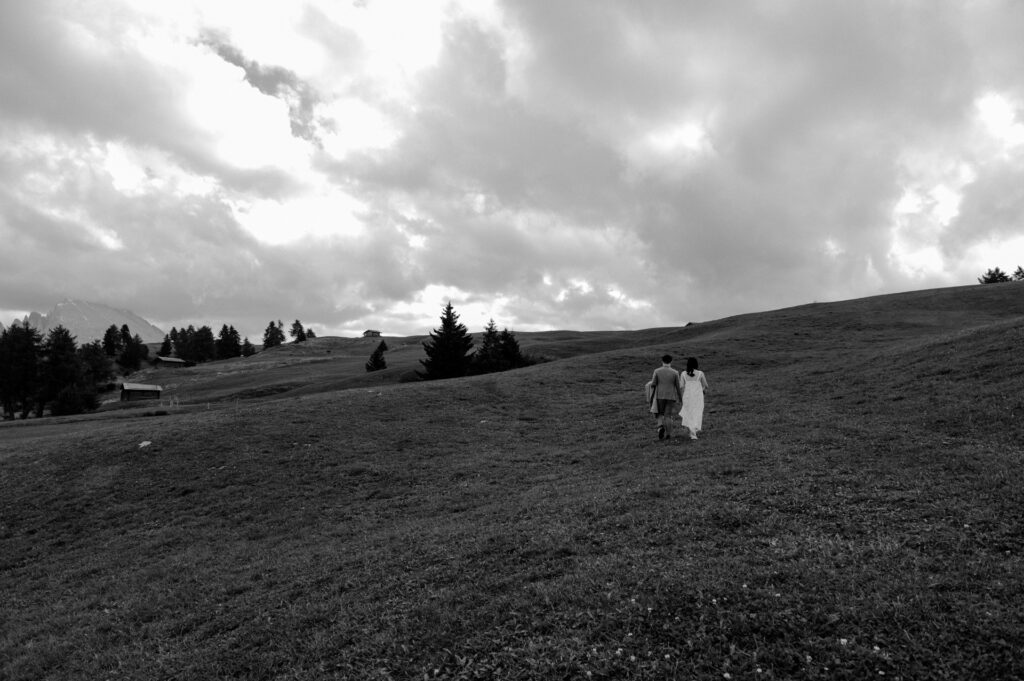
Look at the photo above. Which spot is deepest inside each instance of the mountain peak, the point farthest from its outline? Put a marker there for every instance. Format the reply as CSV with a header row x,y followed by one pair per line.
x,y
88,321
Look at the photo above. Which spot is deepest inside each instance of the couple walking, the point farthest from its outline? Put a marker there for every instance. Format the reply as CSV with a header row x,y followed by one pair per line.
x,y
668,386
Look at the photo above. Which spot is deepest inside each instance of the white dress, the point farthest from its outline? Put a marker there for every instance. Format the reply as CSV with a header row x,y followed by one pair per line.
x,y
692,412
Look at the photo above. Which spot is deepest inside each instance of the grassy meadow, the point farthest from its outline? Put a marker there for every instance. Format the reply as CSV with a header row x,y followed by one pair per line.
x,y
853,510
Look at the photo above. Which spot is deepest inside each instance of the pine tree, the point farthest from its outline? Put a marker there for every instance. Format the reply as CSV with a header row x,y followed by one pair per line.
x,y
488,357
310,335
221,342
377,361
112,341
59,369
511,356
274,335
1018,274
166,348
125,336
205,344
248,349
994,276
228,343
297,332
448,349
133,354
96,365
234,341
184,344
20,350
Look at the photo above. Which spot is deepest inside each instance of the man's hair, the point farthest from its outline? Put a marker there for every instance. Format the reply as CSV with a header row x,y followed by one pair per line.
x,y
666,359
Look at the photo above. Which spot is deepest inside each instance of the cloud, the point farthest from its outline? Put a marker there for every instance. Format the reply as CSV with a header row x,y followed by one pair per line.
x,y
278,82
576,164
102,77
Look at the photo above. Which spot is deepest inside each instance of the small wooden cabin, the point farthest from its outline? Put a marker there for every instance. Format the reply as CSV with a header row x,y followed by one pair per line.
x,y
371,333
139,391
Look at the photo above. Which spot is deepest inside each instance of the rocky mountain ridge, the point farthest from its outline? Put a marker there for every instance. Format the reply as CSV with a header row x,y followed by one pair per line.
x,y
88,321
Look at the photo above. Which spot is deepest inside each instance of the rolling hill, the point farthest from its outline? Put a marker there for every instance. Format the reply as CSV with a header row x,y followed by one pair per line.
x,y
851,510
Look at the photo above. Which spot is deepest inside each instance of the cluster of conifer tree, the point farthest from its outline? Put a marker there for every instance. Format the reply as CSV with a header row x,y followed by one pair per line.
x,y
274,334
128,349
200,345
997,276
53,372
449,356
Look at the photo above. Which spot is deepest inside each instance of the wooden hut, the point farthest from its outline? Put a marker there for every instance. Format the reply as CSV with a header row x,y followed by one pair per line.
x,y
139,391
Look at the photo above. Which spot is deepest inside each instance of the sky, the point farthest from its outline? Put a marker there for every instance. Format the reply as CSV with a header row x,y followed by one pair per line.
x,y
585,164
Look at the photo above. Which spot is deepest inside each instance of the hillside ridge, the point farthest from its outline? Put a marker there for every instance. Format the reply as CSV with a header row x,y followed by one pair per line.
x,y
892,321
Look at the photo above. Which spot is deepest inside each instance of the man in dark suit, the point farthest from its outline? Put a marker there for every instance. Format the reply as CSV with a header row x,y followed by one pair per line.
x,y
667,392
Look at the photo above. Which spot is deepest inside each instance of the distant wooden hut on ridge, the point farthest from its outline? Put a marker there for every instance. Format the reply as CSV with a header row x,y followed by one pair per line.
x,y
371,333
139,391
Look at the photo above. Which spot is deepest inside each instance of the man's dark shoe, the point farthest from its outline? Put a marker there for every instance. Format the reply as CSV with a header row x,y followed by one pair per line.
x,y
661,432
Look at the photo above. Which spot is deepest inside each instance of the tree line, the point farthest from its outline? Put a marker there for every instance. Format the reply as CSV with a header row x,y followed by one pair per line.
x,y
199,345
997,276
54,372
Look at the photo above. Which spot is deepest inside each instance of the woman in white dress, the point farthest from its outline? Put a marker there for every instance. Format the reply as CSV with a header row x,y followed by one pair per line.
x,y
694,385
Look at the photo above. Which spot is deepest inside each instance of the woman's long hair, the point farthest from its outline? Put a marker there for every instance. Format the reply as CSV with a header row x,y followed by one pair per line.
x,y
691,365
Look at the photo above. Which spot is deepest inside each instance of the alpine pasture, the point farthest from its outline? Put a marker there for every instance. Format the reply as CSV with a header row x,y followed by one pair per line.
x,y
852,510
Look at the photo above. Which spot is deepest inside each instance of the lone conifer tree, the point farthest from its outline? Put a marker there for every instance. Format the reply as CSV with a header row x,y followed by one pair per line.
x,y
448,349
1018,274
377,361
